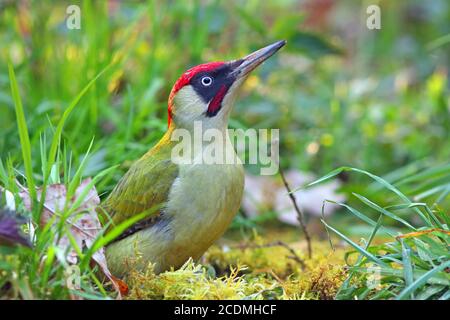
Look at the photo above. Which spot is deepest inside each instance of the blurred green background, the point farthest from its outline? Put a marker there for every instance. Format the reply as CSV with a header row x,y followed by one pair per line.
x,y
340,93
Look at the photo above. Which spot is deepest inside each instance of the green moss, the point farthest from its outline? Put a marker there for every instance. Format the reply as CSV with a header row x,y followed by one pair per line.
x,y
252,271
192,281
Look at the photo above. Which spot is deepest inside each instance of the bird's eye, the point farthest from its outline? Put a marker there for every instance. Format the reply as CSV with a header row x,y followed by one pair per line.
x,y
206,81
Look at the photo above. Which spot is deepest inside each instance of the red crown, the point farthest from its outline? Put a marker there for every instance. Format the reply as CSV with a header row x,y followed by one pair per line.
x,y
185,79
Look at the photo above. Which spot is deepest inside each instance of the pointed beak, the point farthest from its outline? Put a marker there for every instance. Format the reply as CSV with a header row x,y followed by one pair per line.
x,y
244,66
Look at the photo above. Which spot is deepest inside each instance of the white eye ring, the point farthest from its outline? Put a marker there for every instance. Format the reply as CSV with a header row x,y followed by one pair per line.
x,y
207,81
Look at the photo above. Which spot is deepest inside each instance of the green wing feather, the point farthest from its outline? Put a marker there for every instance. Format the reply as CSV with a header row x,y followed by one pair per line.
x,y
144,187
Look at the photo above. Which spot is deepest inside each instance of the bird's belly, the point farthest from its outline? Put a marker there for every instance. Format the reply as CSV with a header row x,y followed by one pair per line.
x,y
203,201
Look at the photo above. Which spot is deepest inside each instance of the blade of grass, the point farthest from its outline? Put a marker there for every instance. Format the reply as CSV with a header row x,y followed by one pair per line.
x,y
382,210
58,132
426,175
435,279
363,217
77,177
378,225
48,265
23,134
429,292
354,245
383,182
407,265
421,281
3,174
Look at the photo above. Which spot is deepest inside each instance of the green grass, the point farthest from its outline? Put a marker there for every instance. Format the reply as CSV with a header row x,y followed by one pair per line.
x,y
36,279
414,264
23,134
86,103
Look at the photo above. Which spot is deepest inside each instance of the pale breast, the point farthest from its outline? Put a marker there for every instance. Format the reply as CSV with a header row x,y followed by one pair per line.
x,y
204,198
203,201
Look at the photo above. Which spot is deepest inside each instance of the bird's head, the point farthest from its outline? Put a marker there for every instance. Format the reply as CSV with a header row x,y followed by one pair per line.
x,y
207,92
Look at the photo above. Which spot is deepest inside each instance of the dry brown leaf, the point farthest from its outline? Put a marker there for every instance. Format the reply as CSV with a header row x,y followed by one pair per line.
x,y
82,223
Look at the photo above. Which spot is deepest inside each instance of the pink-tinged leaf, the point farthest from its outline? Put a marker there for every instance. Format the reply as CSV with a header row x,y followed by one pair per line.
x,y
82,223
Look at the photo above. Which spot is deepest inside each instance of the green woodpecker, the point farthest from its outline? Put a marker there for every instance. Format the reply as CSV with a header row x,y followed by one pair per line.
x,y
196,201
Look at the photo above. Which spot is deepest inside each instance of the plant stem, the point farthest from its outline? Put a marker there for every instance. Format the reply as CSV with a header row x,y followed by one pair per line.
x,y
300,216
